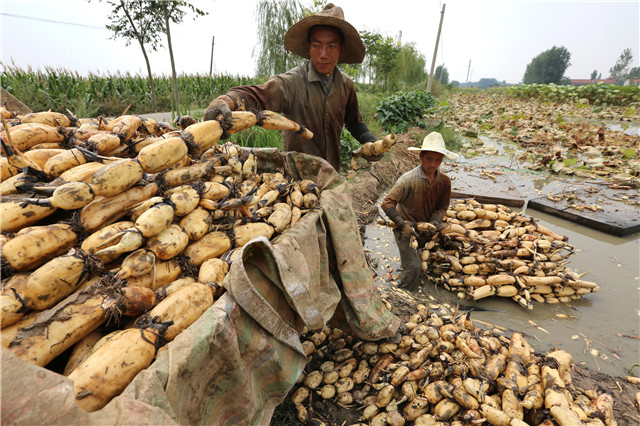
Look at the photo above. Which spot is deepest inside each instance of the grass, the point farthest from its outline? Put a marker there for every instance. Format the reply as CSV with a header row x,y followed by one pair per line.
x,y
257,137
368,103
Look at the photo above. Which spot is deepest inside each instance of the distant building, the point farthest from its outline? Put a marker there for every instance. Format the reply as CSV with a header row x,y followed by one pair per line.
x,y
585,81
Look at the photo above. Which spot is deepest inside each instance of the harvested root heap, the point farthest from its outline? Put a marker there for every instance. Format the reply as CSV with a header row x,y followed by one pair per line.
x,y
445,371
114,218
487,250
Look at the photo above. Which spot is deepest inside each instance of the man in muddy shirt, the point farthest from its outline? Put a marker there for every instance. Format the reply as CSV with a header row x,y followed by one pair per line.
x,y
420,195
316,94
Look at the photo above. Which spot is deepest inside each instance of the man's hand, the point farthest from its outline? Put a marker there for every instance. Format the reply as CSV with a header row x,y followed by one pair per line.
x,y
407,231
216,108
428,234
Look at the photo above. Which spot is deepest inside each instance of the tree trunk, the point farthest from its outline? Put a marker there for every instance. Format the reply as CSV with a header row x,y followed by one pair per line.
x,y
144,53
151,83
176,100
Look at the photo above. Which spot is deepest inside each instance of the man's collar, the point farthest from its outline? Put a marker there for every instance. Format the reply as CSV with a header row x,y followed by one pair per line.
x,y
314,75
423,175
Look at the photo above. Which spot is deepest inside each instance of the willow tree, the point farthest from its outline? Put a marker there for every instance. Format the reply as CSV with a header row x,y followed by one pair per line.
x,y
409,69
274,19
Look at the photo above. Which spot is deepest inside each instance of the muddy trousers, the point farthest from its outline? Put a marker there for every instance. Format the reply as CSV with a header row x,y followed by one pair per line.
x,y
411,275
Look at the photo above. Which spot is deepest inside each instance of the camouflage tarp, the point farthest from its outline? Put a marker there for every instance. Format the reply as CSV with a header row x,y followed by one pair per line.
x,y
242,356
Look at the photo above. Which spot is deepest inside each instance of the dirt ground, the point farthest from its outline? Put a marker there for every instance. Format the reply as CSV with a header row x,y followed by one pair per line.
x,y
371,182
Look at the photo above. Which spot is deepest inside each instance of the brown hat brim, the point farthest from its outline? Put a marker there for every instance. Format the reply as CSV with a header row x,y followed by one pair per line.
x,y
295,40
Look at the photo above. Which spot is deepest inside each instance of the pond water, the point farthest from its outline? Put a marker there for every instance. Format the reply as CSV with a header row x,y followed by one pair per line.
x,y
627,128
595,329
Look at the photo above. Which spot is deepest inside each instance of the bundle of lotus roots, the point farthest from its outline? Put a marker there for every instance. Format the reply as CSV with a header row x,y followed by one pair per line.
x,y
104,220
444,371
376,148
486,250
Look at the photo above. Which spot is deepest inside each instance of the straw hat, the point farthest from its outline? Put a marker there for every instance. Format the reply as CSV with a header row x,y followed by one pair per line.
x,y
295,40
434,142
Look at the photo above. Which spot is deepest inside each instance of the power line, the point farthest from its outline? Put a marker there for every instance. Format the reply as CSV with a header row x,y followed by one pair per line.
x,y
33,18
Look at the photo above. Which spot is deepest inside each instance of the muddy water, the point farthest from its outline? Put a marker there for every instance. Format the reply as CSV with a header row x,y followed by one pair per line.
x,y
593,329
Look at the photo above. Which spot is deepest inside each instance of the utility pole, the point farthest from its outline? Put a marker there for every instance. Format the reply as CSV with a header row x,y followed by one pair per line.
x,y
441,72
435,51
213,38
468,69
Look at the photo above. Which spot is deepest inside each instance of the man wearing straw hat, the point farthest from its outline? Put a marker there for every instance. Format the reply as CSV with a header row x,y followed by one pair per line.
x,y
420,195
315,94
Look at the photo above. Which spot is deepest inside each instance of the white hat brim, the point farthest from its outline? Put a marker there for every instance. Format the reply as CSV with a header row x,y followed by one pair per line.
x,y
449,154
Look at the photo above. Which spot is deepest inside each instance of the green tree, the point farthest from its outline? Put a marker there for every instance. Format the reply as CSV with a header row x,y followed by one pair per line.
x,y
634,74
369,40
173,11
485,83
441,75
408,71
548,67
145,20
136,20
354,71
274,19
620,70
382,52
594,74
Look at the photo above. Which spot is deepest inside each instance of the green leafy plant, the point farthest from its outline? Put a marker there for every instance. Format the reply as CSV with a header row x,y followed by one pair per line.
x,y
591,94
396,113
347,144
629,153
630,111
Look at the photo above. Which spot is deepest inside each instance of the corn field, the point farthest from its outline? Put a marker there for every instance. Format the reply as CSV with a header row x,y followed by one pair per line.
x,y
60,89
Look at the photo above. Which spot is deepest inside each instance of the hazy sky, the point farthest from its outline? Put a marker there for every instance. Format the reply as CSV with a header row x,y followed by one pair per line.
x,y
499,38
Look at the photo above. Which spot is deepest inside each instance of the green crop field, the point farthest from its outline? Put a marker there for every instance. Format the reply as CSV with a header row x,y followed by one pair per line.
x,y
61,90
595,94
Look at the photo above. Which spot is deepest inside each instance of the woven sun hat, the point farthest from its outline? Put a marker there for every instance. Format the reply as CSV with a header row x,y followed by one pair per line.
x,y
295,40
434,142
